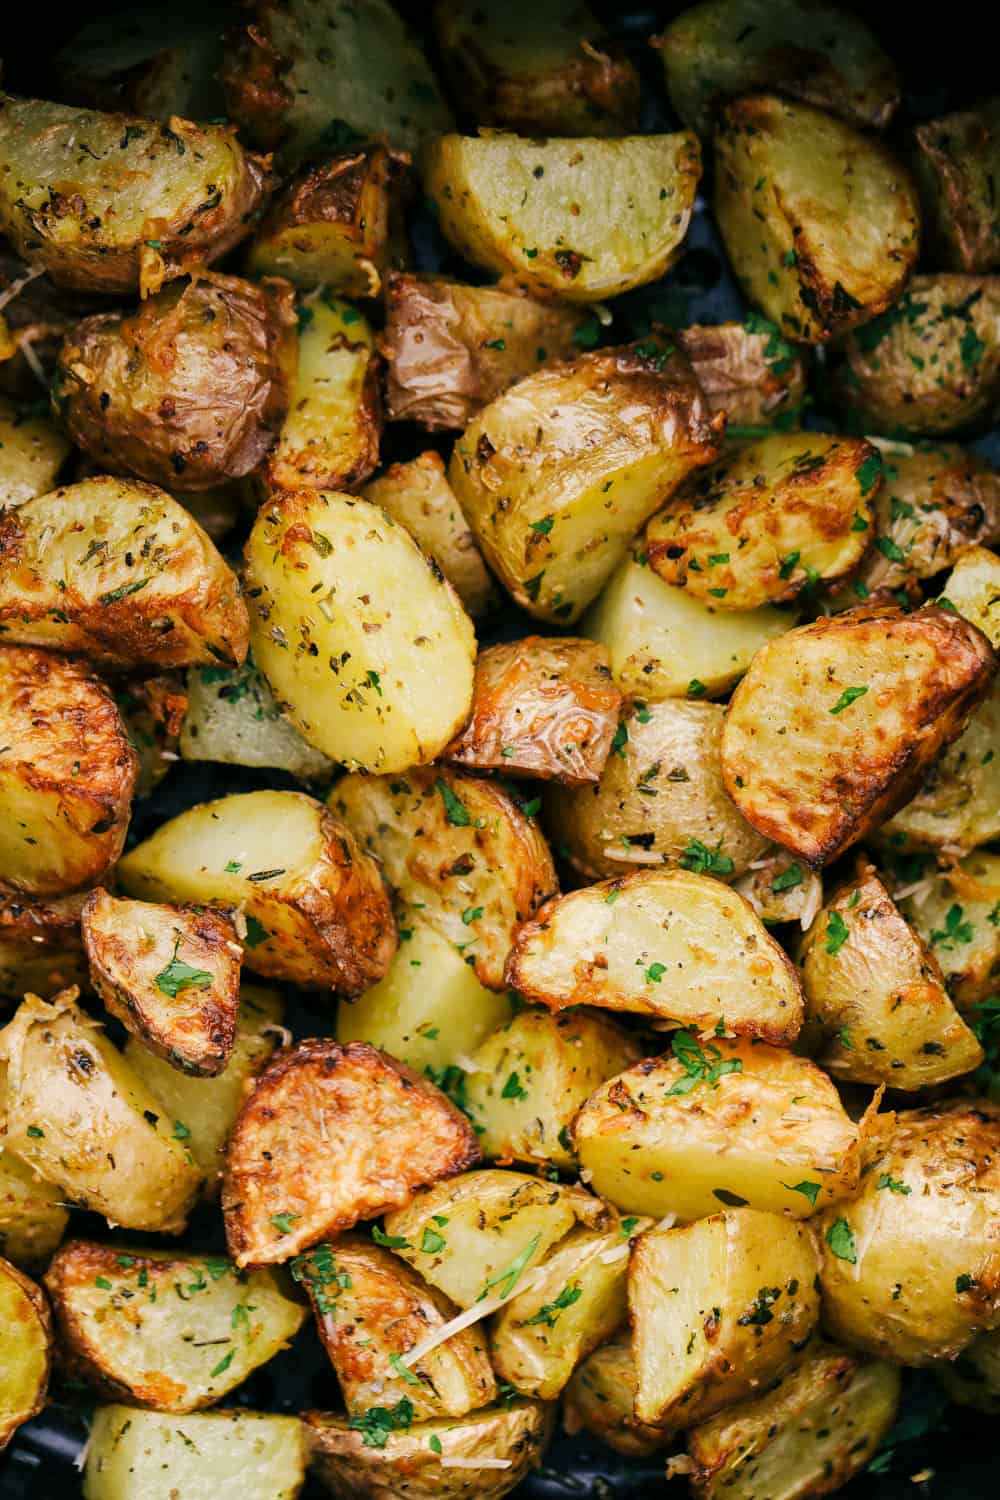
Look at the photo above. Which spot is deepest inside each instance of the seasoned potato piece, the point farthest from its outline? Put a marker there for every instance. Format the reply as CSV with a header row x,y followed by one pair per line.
x,y
32,451
153,61
233,1455
77,1114
737,1123
371,1309
24,1317
818,1427
973,1379
911,1267
147,963
361,638
541,707
582,219
957,913
162,1328
931,364
660,801
599,1399
557,474
65,794
152,710
331,1135
459,850
956,159
748,370
122,181
321,919
450,348
32,1216
719,1307
232,718
40,947
780,889
665,643
973,588
792,186
117,569
418,495
532,1075
835,723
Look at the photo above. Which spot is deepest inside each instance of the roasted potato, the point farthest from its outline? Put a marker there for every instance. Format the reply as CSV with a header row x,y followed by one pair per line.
x,y
956,911
748,370
581,219
24,1314
76,1113
955,159
835,723
40,947
792,185
599,1400
450,348
36,315
459,850
780,889
148,965
556,475
667,943
322,919
153,61
32,452
659,801
731,1122
361,638
973,588
232,718
33,1217
166,1329
152,710
330,1135
541,707
65,794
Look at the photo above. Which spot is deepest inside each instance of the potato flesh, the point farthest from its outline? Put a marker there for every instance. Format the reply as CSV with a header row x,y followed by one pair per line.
x,y
973,587
25,1318
599,1399
32,1217
32,451
232,719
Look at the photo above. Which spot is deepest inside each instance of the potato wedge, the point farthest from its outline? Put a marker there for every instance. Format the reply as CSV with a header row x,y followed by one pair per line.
x,y
541,707
716,1124
33,1218
24,1315
328,1136
835,723
660,801
78,1115
666,943
530,1077
749,371
955,912
361,638
599,1399
166,1329
65,796
781,889
973,588
954,159
792,184
152,710
580,455
147,963
41,950
459,850
236,1455
322,919
117,569
32,452
450,348
371,1309
232,718
159,62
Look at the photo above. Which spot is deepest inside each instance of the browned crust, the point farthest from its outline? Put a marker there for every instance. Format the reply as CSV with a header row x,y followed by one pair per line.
x,y
252,76
40,1308
341,190
946,152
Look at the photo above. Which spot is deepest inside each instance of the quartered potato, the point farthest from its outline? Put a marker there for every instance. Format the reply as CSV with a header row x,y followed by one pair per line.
x,y
822,226
117,569
955,159
40,947
322,918
956,912
541,707
667,943
32,452
330,1135
558,474
582,219
719,1308
24,1316
835,723
761,524
152,710
232,718
155,61
599,1399
167,1329
458,850
781,889
148,965
973,588
748,370
450,348
734,1123
33,1218
361,638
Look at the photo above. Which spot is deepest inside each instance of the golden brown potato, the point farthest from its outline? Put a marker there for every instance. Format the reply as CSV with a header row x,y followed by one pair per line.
x,y
156,61
457,848
835,723
33,1217
32,452
599,1400
328,1136
781,889
40,947
792,184
24,1314
973,588
67,774
152,710
957,913
232,718
748,370
148,965
541,707
955,159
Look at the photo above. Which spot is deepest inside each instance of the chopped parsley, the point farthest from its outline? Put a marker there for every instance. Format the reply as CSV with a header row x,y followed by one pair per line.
x,y
848,696
894,1186
840,1238
808,1190
455,809
513,1089
837,933
704,861
283,1222
955,931
390,1241
787,879
508,1278
701,1064
179,976
549,1314
377,1422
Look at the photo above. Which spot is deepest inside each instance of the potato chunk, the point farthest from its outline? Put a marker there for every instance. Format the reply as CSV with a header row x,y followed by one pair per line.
x,y
792,185
780,889
117,569
24,1316
749,371
232,718
665,943
322,918
148,964
40,947
736,1123
331,1135
835,723
581,455
955,159
599,1400
166,1329
363,641
973,588
957,913
65,794
152,710
32,1216
32,452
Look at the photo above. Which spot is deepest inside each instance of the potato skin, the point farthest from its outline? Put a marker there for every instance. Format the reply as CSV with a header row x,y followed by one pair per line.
x,y
599,1400
27,1356
746,370
954,159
